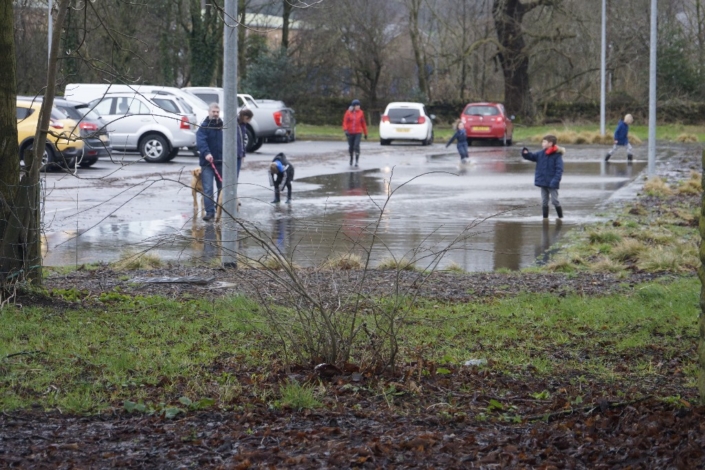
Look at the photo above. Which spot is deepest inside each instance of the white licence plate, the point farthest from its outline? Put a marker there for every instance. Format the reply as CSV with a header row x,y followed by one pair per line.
x,y
403,129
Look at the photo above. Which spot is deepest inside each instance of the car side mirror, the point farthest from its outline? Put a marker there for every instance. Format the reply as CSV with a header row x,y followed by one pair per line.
x,y
432,116
512,117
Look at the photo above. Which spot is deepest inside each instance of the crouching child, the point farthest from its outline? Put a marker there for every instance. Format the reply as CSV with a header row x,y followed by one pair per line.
x,y
281,174
549,171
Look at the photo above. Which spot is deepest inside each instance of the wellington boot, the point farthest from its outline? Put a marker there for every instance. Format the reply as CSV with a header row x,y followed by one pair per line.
x,y
545,211
559,211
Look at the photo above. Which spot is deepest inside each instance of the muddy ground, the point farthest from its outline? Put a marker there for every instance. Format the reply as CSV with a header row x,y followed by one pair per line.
x,y
431,421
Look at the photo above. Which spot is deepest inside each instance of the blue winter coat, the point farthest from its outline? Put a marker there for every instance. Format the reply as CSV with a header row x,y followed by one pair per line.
x,y
621,133
460,135
549,168
209,139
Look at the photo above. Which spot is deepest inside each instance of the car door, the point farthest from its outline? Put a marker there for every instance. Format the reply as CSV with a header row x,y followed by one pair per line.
x,y
138,116
114,120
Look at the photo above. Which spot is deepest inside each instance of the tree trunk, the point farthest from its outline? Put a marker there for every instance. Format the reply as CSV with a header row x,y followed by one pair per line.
x,y
417,45
701,274
286,20
241,44
508,16
205,40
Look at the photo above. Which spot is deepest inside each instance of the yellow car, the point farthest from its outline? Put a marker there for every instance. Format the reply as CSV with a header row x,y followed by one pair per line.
x,y
63,145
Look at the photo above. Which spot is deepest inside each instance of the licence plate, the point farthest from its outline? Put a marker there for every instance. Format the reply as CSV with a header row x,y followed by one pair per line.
x,y
481,128
403,129
103,138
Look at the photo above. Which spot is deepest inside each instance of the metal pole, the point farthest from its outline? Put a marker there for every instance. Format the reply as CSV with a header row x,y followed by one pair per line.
x,y
229,227
603,66
50,28
652,88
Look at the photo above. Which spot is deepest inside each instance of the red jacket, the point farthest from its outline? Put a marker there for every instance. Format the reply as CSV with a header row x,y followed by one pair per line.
x,y
354,122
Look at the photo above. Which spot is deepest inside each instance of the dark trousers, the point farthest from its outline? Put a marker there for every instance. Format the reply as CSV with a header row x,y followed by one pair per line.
x,y
463,150
354,144
288,191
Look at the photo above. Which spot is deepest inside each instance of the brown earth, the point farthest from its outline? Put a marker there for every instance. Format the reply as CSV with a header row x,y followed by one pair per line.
x,y
469,418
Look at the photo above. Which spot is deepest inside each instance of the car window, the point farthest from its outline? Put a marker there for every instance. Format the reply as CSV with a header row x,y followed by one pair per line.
x,y
135,106
167,105
403,115
482,111
23,113
208,97
184,105
57,114
71,112
104,107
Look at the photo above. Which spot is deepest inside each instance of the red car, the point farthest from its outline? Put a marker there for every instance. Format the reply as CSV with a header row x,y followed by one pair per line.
x,y
487,121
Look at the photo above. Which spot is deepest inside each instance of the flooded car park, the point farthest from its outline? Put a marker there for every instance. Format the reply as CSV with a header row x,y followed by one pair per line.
x,y
403,202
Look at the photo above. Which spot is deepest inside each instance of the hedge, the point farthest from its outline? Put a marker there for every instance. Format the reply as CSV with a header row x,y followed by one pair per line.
x,y
327,111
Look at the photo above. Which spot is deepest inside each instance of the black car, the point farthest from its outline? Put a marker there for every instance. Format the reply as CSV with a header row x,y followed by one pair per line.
x,y
96,140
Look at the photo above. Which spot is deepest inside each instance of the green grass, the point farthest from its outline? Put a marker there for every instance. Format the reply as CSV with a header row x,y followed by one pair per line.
x,y
156,355
443,132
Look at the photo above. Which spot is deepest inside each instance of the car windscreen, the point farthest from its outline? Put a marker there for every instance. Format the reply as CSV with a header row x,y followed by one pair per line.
x,y
87,113
167,105
482,111
71,112
207,97
185,106
403,115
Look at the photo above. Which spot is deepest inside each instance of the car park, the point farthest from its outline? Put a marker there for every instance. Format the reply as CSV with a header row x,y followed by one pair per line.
x,y
136,122
406,121
272,120
487,121
63,146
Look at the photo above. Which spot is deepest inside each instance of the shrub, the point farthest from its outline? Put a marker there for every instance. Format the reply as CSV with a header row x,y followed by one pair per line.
x,y
691,186
401,264
345,261
133,261
657,187
627,249
687,138
606,236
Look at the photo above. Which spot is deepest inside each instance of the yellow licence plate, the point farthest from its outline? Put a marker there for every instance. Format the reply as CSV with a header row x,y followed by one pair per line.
x,y
481,129
103,138
403,129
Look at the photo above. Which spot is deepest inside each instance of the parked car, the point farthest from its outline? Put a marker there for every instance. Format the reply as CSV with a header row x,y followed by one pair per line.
x,y
487,121
63,145
136,122
406,121
272,120
96,141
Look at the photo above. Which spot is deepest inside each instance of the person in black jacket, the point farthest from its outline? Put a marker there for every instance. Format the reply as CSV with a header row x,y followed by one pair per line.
x,y
209,140
549,171
281,174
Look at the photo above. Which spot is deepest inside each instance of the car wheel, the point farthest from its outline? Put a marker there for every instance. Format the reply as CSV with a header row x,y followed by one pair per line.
x,y
385,141
509,141
173,154
88,162
250,140
154,148
431,139
292,136
504,140
258,144
48,158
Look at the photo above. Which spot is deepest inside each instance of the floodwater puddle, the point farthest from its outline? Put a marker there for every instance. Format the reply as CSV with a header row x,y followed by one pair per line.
x,y
480,216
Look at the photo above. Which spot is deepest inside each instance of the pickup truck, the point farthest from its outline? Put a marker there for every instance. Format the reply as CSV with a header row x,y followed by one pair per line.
x,y
272,119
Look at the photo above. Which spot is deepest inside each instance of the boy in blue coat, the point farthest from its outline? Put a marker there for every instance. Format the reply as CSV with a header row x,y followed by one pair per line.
x,y
462,137
621,137
549,171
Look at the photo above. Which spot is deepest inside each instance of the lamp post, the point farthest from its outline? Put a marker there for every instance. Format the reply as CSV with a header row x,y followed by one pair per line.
x,y
603,67
652,87
230,28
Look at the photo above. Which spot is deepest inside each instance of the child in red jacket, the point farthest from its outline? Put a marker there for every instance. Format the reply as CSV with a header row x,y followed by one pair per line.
x,y
355,127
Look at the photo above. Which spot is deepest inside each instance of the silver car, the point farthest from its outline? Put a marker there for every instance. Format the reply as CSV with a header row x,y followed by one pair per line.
x,y
155,125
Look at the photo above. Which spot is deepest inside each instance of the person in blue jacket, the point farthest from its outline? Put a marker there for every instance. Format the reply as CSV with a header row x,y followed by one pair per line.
x,y
621,137
549,171
209,139
462,137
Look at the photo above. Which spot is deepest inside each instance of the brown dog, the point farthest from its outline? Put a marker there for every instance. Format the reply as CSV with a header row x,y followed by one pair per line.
x,y
197,188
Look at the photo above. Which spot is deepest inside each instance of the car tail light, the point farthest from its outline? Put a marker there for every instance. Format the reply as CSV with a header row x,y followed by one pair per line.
x,y
385,118
278,118
500,119
88,126
184,123
421,120
56,124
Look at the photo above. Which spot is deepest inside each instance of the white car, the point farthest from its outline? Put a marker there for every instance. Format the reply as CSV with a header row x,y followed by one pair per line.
x,y
155,125
406,121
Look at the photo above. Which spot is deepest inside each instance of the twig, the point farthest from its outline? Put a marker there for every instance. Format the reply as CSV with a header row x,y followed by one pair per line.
x,y
589,409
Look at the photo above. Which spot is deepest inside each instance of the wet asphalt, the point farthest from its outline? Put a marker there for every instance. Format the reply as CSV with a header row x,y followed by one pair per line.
x,y
403,201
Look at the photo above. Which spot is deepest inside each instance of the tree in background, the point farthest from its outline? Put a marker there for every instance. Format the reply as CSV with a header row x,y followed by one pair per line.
x,y
205,33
